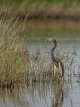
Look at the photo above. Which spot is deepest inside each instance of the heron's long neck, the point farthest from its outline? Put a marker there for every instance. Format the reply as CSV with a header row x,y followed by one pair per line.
x,y
52,54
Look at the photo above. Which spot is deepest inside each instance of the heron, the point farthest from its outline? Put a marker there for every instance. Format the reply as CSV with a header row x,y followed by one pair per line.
x,y
58,67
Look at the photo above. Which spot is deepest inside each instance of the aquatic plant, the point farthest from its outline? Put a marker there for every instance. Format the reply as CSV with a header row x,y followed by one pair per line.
x,y
13,60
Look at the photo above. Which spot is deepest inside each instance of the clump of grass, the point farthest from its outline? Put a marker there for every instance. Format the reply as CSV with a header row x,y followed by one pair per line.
x,y
13,61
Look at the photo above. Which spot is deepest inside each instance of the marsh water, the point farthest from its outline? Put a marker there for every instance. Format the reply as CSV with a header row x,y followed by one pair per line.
x,y
64,93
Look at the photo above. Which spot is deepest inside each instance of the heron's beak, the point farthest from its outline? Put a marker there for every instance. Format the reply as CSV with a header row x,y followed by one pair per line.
x,y
50,39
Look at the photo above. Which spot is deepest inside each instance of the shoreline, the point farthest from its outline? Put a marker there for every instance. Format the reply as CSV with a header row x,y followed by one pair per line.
x,y
40,14
22,17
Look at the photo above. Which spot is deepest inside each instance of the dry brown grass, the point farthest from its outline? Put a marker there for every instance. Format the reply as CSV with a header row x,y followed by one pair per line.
x,y
13,61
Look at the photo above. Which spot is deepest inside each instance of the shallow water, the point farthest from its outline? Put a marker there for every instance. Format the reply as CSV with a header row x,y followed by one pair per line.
x,y
49,94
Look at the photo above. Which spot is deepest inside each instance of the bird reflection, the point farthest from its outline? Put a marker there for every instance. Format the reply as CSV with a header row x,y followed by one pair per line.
x,y
58,95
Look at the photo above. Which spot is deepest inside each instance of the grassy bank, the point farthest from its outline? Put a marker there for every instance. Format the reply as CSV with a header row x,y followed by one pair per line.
x,y
31,2
40,9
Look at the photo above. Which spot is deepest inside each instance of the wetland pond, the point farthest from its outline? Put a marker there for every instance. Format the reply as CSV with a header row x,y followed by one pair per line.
x,y
64,93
